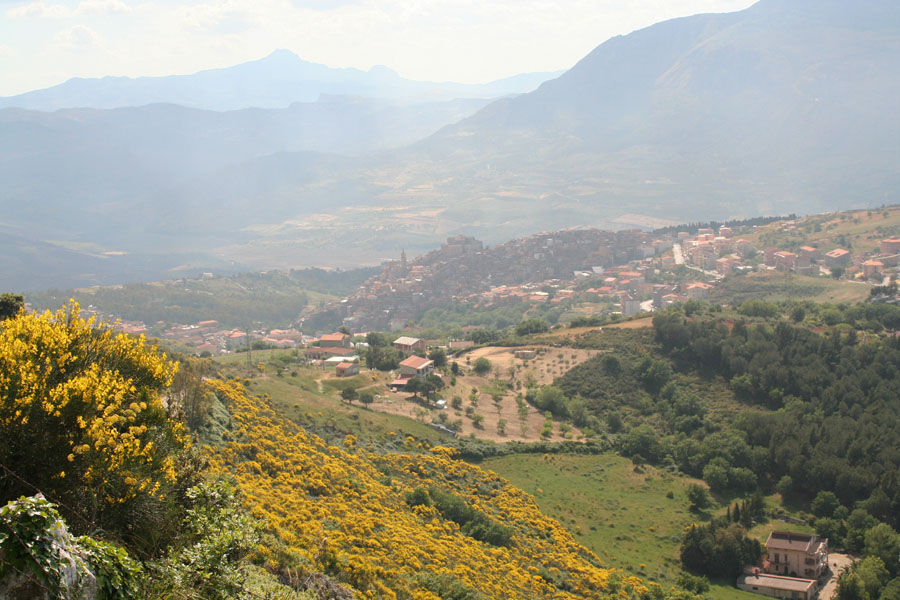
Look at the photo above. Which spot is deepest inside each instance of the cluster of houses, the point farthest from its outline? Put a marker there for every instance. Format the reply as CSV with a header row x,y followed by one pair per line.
x,y
808,260
721,253
463,269
794,565
546,268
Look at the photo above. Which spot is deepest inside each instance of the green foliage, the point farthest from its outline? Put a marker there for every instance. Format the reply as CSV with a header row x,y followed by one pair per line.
x,y
10,305
698,497
366,397
418,497
378,340
482,366
758,308
532,326
216,535
446,587
439,357
719,549
864,580
550,398
693,583
643,442
383,358
824,504
35,543
472,521
882,542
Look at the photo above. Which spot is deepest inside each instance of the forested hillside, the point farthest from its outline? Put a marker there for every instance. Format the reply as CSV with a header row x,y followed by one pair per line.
x,y
798,399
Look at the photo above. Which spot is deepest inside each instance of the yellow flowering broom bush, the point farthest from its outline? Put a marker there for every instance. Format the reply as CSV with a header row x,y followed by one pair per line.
x,y
83,420
344,510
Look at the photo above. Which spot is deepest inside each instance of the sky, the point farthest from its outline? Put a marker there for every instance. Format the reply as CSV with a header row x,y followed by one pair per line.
x,y
45,42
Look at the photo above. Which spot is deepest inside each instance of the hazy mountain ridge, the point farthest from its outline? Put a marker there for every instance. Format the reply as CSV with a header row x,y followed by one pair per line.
x,y
783,107
275,81
78,169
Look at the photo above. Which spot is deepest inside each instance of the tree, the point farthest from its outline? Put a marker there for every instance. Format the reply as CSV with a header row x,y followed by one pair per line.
x,y
482,366
641,441
377,340
784,485
454,368
883,542
349,394
698,497
415,386
439,357
824,504
532,326
551,398
366,397
10,305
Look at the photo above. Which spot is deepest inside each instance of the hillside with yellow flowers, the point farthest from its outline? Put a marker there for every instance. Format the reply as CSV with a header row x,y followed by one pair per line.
x,y
350,513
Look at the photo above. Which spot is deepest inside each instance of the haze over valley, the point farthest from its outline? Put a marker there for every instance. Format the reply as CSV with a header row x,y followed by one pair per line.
x,y
787,106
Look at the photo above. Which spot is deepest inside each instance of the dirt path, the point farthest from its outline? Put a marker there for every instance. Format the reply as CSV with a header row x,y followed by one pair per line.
x,y
838,563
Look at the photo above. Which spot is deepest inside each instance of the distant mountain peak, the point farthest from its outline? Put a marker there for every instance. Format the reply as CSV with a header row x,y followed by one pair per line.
x,y
383,72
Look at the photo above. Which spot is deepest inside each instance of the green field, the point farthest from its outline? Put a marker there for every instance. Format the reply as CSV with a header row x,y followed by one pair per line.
x,y
619,511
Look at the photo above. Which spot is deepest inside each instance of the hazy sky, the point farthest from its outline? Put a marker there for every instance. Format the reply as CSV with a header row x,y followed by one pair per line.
x,y
45,42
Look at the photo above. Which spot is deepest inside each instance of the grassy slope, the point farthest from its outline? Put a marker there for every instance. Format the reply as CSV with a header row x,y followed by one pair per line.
x,y
301,399
620,513
776,285
862,228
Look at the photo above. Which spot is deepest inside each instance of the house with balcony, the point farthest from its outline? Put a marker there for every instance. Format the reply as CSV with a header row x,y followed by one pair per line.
x,y
796,554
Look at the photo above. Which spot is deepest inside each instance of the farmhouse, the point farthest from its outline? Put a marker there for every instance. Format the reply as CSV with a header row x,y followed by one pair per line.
x,y
416,366
796,554
346,369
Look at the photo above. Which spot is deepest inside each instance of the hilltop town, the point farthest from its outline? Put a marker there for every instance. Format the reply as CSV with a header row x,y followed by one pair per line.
x,y
584,272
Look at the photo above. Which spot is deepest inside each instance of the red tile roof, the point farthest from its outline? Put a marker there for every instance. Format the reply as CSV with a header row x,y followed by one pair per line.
x,y
415,362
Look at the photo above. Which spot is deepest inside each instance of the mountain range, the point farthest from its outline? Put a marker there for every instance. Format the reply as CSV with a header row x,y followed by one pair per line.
x,y
787,106
275,81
